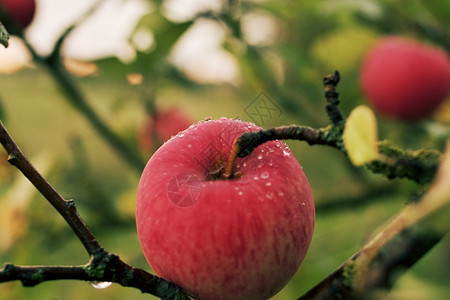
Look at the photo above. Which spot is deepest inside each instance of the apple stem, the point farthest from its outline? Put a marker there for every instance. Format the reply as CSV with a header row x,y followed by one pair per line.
x,y
231,159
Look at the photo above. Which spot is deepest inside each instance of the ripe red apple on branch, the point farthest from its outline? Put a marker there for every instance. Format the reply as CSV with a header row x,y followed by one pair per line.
x,y
238,238
17,13
404,78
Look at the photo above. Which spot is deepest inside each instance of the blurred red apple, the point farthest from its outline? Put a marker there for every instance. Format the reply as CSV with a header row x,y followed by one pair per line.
x,y
405,79
162,126
17,13
237,238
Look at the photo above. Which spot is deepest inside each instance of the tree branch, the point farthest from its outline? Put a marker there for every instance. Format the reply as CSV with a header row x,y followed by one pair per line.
x,y
108,269
103,265
403,241
65,207
419,166
334,114
78,100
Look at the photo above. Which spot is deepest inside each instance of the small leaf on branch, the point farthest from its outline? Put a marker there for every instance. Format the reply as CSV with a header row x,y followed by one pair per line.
x,y
361,136
4,35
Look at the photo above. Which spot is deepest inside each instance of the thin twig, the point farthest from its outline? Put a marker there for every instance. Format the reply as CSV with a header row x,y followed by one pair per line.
x,y
78,100
103,265
65,207
330,82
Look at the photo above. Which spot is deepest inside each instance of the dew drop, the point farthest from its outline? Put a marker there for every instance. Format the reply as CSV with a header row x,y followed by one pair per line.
x,y
244,164
189,146
101,285
181,135
269,195
271,150
265,175
208,118
223,118
236,188
285,152
303,203
270,164
260,156
240,193
256,177
268,183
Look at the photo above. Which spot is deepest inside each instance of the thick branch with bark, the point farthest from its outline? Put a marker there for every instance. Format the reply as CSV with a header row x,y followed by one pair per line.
x,y
102,268
399,245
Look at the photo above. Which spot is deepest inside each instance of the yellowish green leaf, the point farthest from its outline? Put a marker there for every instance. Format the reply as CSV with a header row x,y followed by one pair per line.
x,y
361,136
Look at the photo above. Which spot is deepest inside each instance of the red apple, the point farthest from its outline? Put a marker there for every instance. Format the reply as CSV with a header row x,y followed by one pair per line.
x,y
165,124
17,13
405,79
237,238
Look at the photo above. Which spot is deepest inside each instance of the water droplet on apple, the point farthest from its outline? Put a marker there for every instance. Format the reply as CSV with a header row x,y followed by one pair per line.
x,y
285,152
265,175
236,188
268,183
181,135
208,118
260,156
256,177
269,195
271,150
189,146
270,164
303,203
223,118
244,164
240,193
260,166
100,285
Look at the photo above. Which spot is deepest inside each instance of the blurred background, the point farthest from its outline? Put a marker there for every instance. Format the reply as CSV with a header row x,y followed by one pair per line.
x,y
148,69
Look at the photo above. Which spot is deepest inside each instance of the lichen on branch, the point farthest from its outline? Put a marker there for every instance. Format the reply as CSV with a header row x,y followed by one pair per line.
x,y
419,166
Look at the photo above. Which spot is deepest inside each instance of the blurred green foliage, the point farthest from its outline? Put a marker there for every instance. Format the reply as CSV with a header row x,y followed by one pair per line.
x,y
313,39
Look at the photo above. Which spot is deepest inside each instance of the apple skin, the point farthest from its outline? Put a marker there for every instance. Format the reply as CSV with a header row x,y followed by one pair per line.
x,y
165,124
405,79
242,238
20,12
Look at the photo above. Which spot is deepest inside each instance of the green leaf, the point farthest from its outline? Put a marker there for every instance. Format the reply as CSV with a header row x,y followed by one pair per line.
x,y
361,136
4,35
